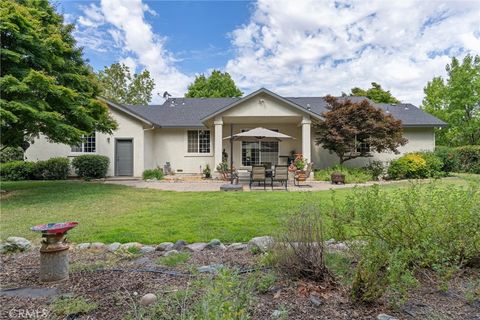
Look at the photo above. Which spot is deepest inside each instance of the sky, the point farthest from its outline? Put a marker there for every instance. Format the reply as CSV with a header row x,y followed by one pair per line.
x,y
294,48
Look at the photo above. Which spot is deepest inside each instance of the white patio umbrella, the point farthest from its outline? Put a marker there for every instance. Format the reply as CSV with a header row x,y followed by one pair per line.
x,y
256,134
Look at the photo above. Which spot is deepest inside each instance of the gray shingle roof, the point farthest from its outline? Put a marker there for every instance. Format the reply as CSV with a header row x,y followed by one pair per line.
x,y
189,112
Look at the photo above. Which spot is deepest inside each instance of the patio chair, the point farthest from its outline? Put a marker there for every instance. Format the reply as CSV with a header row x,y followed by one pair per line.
x,y
258,175
302,176
280,175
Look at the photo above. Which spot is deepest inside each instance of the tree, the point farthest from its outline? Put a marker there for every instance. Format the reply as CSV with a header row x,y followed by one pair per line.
x,y
217,85
375,93
457,102
118,85
47,87
353,130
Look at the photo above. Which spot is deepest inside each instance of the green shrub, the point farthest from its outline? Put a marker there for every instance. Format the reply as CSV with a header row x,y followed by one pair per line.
x,y
352,175
376,169
52,169
153,174
11,154
91,166
434,163
409,166
421,226
469,158
207,172
449,159
17,170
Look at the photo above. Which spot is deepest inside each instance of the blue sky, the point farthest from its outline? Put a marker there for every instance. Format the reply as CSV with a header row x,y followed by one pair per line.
x,y
295,48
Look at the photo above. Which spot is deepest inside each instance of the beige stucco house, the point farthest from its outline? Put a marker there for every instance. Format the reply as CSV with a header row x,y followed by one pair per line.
x,y
189,133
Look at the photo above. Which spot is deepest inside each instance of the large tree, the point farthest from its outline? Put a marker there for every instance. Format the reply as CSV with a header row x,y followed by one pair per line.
x,y
217,85
119,85
353,130
376,93
456,101
47,87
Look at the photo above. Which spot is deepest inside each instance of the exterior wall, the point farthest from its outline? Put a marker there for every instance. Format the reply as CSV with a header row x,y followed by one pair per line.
x,y
170,145
270,107
128,127
419,139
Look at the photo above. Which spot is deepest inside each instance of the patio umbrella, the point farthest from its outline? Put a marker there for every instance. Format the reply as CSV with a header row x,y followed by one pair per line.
x,y
256,134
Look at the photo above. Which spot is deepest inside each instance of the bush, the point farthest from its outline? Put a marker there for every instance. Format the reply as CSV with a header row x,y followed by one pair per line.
x,y
52,169
352,175
91,166
376,169
299,249
17,170
409,166
469,158
11,154
153,174
449,158
207,172
434,163
422,226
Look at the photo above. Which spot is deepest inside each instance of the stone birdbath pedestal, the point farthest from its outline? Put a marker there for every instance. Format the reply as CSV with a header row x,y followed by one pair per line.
x,y
54,250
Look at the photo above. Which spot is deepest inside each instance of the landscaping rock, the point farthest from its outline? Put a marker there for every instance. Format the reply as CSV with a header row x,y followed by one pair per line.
x,y
147,249
384,316
18,243
315,300
179,245
98,246
238,246
148,299
216,244
114,246
6,247
330,242
262,243
210,269
83,246
196,247
278,313
165,246
339,246
170,253
129,245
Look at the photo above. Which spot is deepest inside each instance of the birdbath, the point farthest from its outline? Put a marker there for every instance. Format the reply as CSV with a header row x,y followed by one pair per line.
x,y
54,250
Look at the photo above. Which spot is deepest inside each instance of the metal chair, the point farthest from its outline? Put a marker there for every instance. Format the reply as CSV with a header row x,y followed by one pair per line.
x,y
280,175
258,175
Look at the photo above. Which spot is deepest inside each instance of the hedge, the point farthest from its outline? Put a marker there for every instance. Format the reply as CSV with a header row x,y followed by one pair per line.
x,y
17,170
51,169
460,159
91,166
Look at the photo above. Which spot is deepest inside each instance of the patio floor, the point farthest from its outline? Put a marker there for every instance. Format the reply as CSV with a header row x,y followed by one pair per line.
x,y
214,185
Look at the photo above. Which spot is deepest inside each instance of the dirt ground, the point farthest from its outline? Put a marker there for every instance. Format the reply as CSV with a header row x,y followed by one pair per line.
x,y
116,283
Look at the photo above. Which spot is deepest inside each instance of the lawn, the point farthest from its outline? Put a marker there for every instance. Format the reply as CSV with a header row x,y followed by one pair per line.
x,y
109,213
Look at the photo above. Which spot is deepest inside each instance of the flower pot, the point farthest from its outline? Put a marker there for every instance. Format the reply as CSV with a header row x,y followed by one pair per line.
x,y
337,178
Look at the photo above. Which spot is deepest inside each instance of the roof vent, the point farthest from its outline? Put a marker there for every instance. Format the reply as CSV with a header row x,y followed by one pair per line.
x,y
308,106
406,108
393,104
172,103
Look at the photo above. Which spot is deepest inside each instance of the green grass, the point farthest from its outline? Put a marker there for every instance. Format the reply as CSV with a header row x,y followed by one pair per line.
x,y
352,175
110,213
67,306
173,260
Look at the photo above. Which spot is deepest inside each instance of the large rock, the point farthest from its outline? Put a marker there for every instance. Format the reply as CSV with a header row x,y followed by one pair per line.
x,y
18,243
97,246
170,253
210,269
129,245
148,299
216,244
114,246
147,249
237,246
262,243
384,316
179,245
83,246
196,247
6,247
165,246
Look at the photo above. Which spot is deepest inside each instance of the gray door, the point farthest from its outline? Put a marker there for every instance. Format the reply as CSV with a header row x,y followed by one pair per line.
x,y
124,157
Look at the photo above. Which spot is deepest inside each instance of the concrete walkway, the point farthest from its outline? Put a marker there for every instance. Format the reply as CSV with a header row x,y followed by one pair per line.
x,y
214,185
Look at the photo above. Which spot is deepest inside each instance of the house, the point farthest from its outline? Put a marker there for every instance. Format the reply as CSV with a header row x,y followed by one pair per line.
x,y
189,133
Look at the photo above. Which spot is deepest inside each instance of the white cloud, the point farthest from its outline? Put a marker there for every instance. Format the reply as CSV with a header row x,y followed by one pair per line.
x,y
122,25
315,48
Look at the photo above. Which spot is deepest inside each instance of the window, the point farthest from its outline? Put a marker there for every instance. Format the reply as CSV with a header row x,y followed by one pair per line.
x,y
362,145
88,145
198,141
259,152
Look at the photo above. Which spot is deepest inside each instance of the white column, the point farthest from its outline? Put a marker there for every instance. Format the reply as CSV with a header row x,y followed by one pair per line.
x,y
306,138
218,146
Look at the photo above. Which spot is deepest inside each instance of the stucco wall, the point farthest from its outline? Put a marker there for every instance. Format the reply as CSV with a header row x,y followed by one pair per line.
x,y
128,127
419,139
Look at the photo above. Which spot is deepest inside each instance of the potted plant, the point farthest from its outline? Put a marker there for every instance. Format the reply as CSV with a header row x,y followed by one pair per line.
x,y
337,177
207,172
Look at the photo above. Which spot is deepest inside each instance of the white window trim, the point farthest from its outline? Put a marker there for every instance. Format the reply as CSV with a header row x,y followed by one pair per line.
x,y
357,143
198,154
83,148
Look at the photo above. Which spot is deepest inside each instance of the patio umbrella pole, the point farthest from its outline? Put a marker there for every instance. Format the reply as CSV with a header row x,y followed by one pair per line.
x,y
231,153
